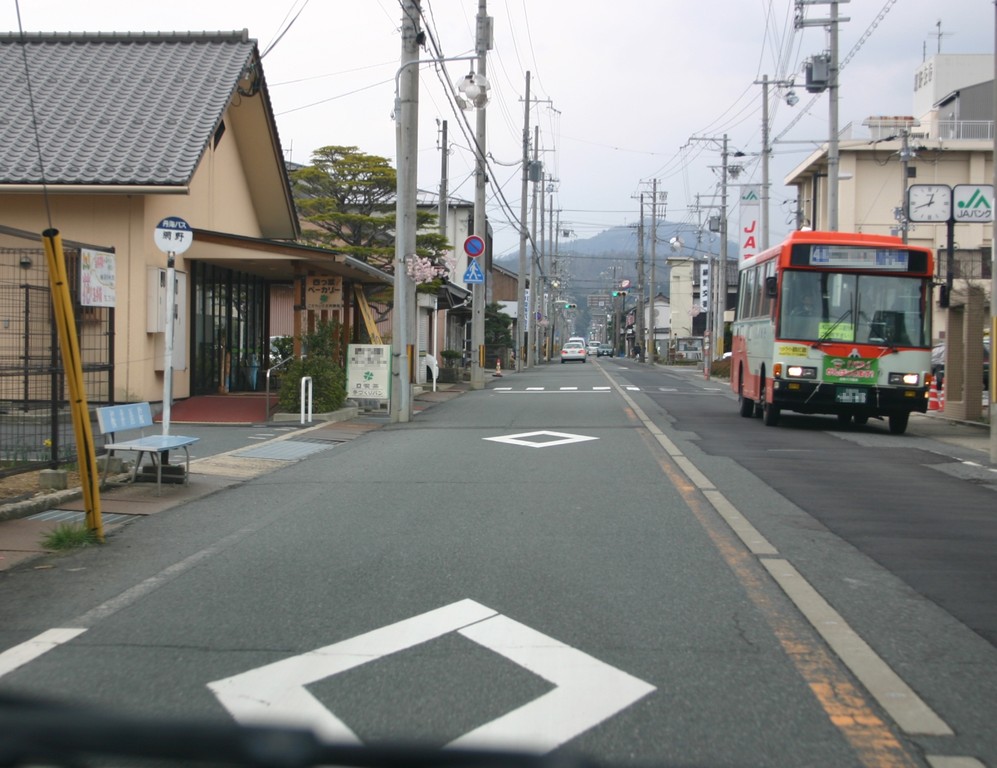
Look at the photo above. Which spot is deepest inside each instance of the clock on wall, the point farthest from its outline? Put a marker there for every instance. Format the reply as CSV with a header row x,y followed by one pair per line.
x,y
929,202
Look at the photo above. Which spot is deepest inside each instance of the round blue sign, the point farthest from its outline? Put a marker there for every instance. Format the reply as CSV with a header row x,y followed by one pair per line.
x,y
474,246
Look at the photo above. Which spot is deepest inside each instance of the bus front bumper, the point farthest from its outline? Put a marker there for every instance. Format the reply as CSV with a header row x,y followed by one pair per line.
x,y
819,397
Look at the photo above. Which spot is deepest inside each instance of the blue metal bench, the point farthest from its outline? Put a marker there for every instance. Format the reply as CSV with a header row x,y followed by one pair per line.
x,y
113,419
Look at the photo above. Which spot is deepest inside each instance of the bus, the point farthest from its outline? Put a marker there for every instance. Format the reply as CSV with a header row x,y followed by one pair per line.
x,y
834,323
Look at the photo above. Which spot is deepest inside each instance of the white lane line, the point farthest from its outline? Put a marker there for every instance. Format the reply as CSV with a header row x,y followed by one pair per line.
x,y
31,649
502,389
535,389
906,708
745,531
569,389
940,761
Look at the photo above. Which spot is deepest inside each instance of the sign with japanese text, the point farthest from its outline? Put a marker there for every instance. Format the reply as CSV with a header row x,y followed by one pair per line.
x,y
368,372
98,278
323,292
751,200
173,235
850,370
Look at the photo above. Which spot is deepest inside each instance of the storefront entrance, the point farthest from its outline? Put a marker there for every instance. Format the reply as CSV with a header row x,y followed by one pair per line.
x,y
229,334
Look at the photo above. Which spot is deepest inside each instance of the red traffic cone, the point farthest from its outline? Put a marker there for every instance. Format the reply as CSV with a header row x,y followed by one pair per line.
x,y
498,367
941,398
933,403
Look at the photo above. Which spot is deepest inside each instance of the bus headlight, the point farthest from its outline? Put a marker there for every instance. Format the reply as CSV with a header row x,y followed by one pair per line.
x,y
904,379
801,372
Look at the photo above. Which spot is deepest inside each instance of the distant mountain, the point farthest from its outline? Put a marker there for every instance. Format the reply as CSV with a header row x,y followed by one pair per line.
x,y
597,264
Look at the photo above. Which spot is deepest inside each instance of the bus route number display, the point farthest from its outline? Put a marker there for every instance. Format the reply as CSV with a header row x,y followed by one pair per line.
x,y
858,257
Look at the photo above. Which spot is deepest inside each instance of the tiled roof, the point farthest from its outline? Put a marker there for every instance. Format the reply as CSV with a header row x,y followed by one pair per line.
x,y
114,109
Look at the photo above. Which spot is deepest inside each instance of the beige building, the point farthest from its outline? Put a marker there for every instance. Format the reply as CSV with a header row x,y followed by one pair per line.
x,y
948,140
120,132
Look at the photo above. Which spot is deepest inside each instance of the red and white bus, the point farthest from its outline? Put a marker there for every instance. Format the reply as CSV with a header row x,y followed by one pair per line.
x,y
835,323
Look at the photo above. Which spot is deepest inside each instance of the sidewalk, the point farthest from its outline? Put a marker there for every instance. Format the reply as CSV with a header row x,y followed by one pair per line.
x,y
24,524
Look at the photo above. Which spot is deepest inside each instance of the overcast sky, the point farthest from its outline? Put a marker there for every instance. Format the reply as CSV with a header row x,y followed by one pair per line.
x,y
624,85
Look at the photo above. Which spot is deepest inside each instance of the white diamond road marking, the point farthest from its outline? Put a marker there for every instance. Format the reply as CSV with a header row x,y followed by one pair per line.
x,y
521,439
587,691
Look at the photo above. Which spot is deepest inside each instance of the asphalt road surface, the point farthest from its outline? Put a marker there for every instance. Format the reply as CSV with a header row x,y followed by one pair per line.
x,y
603,559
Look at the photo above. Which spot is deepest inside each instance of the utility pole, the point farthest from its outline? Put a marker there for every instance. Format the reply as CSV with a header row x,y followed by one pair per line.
x,y
545,268
651,343
536,289
639,330
832,85
905,157
442,222
483,44
767,149
444,178
406,140
525,318
993,289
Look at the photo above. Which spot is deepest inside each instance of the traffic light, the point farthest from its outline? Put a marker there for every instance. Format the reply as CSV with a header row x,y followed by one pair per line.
x,y
571,306
620,293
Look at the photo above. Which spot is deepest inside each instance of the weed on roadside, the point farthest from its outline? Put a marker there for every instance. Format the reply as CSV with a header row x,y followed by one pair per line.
x,y
69,536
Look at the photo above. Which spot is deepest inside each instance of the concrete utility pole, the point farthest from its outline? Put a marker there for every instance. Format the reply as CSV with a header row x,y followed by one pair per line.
x,y
993,288
545,268
639,330
832,86
525,319
483,44
651,343
536,288
905,157
406,140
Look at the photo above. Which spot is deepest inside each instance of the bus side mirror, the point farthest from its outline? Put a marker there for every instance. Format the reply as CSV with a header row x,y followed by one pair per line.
x,y
771,287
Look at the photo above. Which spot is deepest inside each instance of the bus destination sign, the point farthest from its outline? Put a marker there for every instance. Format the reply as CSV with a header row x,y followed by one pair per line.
x,y
858,257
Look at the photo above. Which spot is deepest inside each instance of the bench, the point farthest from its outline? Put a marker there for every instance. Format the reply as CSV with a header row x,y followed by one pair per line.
x,y
113,419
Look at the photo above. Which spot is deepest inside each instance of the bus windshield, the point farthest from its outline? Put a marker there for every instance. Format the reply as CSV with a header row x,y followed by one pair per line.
x,y
888,310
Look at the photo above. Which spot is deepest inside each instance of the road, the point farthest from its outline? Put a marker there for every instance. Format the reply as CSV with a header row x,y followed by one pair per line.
x,y
601,559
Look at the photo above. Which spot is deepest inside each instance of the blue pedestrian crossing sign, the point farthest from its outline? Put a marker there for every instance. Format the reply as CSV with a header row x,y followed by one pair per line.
x,y
473,273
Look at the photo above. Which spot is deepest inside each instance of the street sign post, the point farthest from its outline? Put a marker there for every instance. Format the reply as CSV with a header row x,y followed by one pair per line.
x,y
173,235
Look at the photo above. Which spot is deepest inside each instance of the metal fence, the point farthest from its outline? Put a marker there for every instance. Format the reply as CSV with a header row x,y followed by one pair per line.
x,y
35,424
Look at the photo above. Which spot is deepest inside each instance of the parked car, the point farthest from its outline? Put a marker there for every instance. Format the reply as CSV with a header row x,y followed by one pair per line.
x,y
573,350
938,364
605,351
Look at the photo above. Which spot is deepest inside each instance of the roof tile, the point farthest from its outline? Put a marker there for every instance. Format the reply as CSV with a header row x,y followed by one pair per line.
x,y
114,109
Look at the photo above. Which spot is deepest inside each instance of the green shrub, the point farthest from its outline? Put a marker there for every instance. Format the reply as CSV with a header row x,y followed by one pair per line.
x,y
323,362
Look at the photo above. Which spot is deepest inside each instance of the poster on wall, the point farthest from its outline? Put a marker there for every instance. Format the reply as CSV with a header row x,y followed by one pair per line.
x,y
368,372
97,278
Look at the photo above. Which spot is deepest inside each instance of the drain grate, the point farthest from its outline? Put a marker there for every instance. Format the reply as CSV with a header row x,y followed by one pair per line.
x,y
74,516
284,450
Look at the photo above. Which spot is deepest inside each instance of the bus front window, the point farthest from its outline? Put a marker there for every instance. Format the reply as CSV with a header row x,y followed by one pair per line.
x,y
886,310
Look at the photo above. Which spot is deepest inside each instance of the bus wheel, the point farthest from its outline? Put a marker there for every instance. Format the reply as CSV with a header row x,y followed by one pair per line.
x,y
898,423
860,419
770,414
747,405
844,419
